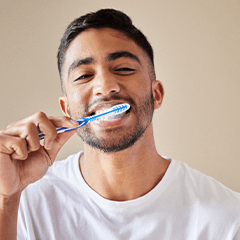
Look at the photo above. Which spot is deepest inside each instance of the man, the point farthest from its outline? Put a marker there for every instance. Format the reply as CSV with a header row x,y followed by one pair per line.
x,y
119,187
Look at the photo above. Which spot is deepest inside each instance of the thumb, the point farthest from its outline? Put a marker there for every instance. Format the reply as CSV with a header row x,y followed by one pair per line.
x,y
57,144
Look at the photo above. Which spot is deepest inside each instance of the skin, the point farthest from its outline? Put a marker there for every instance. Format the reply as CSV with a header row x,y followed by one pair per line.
x,y
133,172
122,175
23,160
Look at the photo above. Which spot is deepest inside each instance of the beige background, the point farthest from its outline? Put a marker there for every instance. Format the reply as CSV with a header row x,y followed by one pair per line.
x,y
197,57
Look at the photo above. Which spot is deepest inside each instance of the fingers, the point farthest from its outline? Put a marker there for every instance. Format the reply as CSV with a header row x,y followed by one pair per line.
x,y
14,146
27,132
29,128
20,141
39,122
63,121
61,139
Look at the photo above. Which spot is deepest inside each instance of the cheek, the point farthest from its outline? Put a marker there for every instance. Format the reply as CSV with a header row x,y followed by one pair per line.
x,y
77,103
143,86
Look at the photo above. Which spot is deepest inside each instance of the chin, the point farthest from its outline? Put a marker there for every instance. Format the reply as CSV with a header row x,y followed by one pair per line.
x,y
112,144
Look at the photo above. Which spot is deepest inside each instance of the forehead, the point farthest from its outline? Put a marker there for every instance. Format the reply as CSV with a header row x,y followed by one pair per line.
x,y
97,43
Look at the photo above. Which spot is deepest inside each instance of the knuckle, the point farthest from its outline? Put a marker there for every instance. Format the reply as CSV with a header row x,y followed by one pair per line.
x,y
40,115
5,130
11,125
21,142
53,133
29,127
34,148
65,118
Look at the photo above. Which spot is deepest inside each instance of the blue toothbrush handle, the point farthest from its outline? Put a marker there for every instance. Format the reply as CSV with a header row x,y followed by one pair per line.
x,y
82,122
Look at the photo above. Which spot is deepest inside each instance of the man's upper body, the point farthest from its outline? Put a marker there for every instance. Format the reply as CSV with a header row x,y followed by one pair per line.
x,y
185,204
103,61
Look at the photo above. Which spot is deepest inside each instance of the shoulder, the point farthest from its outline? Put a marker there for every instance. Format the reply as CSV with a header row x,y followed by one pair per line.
x,y
211,196
214,206
203,185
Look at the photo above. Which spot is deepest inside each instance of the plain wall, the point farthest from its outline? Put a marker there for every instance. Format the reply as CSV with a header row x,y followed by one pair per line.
x,y
197,58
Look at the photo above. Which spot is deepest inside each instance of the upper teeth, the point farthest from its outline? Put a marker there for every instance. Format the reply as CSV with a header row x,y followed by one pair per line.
x,y
108,117
100,111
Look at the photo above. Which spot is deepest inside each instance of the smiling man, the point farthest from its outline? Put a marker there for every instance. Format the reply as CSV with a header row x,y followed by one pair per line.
x,y
119,186
103,66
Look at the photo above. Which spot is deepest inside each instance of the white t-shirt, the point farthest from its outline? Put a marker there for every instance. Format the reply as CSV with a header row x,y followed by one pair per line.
x,y
185,205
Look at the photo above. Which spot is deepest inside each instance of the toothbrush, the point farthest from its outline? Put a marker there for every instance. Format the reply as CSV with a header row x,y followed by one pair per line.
x,y
115,110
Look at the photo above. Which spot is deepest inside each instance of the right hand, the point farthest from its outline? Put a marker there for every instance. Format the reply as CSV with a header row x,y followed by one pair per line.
x,y
23,160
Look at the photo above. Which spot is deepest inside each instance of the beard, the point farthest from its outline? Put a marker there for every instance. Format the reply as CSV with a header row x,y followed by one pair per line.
x,y
120,141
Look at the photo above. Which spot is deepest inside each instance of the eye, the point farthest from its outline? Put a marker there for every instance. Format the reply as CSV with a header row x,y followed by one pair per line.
x,y
125,71
83,77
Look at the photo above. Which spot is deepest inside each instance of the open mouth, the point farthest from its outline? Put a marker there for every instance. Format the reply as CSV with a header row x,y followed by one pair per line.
x,y
110,117
102,108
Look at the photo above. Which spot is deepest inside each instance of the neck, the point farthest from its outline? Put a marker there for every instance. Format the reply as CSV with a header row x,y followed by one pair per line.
x,y
127,174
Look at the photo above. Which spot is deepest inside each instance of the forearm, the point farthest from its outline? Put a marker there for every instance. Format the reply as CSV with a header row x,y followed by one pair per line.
x,y
8,217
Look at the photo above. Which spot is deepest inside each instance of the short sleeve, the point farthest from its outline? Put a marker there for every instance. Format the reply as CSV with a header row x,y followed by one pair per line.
x,y
237,235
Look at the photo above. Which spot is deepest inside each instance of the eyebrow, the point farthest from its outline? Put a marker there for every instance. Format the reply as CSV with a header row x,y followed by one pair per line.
x,y
110,57
120,54
79,62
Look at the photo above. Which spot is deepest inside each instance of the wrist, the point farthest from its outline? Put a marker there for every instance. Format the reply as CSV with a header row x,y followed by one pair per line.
x,y
8,201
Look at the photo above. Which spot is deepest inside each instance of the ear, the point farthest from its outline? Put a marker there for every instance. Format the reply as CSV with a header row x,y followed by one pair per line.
x,y
63,101
158,93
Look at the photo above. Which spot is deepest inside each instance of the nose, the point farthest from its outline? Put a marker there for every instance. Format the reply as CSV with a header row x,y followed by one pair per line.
x,y
105,84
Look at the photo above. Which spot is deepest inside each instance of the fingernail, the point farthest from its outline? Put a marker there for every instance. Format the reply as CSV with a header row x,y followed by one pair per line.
x,y
73,122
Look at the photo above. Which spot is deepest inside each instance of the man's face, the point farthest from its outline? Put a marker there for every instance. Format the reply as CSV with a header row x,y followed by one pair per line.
x,y
103,68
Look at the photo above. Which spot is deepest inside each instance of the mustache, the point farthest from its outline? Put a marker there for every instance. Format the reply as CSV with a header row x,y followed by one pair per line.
x,y
106,99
